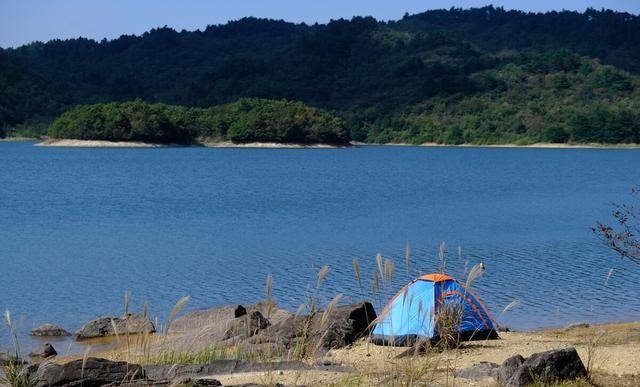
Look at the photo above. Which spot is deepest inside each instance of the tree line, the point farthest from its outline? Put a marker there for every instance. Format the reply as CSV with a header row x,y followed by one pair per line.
x,y
448,76
247,120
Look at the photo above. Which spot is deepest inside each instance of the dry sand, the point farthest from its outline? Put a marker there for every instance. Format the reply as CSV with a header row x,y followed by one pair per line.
x,y
96,144
610,351
67,143
228,144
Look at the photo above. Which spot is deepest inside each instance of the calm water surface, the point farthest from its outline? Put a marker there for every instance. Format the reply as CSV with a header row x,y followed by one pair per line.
x,y
80,227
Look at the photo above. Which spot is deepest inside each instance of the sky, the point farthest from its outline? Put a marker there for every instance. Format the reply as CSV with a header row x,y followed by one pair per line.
x,y
26,21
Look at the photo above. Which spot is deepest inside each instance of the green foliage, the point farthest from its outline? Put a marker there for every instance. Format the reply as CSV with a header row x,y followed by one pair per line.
x,y
258,120
126,121
247,120
479,76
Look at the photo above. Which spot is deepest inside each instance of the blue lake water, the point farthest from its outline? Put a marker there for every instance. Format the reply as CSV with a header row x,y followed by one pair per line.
x,y
80,227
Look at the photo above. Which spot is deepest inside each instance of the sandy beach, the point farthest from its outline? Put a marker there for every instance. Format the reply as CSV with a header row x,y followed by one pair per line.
x,y
609,351
70,143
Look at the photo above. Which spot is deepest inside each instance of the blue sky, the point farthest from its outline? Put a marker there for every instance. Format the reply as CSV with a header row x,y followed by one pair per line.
x,y
25,21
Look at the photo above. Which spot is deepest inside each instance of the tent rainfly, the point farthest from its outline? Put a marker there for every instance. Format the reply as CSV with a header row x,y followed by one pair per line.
x,y
413,313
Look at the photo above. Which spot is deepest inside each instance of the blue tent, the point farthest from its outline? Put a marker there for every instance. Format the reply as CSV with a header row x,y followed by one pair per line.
x,y
412,314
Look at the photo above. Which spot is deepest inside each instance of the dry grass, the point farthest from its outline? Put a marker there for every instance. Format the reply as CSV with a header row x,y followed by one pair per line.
x,y
610,352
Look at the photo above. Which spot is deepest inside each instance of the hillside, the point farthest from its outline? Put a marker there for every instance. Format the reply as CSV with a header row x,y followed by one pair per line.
x,y
451,76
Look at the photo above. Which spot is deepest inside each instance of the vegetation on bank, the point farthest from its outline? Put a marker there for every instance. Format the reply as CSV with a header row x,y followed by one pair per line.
x,y
247,120
477,76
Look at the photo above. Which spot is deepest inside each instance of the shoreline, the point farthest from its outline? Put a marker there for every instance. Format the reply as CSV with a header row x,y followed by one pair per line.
x,y
71,143
610,349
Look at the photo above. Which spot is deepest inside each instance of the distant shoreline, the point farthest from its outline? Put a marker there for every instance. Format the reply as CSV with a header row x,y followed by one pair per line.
x,y
71,143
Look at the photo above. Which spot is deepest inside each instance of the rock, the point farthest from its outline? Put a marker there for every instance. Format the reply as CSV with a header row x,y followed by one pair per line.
x,y
198,382
239,311
578,325
327,330
110,326
246,325
509,368
49,330
547,368
482,370
44,351
264,328
93,372
343,325
218,318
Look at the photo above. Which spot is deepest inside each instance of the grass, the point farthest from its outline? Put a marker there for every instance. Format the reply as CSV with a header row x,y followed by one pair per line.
x,y
12,370
424,364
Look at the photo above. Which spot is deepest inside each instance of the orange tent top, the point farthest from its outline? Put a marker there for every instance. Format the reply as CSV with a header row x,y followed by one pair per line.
x,y
435,277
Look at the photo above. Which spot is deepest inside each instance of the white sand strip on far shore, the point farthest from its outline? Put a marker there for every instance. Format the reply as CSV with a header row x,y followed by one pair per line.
x,y
129,144
229,144
97,144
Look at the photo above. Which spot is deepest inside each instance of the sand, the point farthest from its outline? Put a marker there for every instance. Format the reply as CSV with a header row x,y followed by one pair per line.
x,y
68,143
610,351
228,144
96,144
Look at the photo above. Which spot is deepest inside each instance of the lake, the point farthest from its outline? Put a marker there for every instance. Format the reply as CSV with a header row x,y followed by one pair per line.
x,y
82,226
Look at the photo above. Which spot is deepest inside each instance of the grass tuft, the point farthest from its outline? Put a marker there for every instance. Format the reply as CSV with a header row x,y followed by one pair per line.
x,y
12,371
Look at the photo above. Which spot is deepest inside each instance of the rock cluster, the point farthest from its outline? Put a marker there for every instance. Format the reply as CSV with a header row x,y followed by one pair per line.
x,y
262,327
545,368
265,328
97,372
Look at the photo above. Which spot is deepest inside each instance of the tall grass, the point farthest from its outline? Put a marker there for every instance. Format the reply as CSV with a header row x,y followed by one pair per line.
x,y
12,370
425,362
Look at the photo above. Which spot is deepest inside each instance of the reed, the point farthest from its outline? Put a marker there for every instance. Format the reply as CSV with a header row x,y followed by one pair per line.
x,y
424,364
12,371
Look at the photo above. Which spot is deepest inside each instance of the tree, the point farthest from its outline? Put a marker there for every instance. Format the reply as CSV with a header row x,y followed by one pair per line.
x,y
624,238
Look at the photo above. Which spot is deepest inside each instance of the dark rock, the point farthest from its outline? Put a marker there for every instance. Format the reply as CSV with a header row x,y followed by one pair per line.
x,y
343,325
548,367
190,382
482,370
270,330
44,351
509,368
49,330
110,326
336,328
502,328
217,367
93,372
246,326
240,311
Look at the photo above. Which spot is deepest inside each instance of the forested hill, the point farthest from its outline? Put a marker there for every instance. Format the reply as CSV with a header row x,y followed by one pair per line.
x,y
478,76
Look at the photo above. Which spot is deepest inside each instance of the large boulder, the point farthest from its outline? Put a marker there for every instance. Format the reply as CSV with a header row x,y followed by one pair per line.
x,y
49,330
246,325
335,328
111,326
265,328
545,367
91,372
343,325
231,324
508,368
